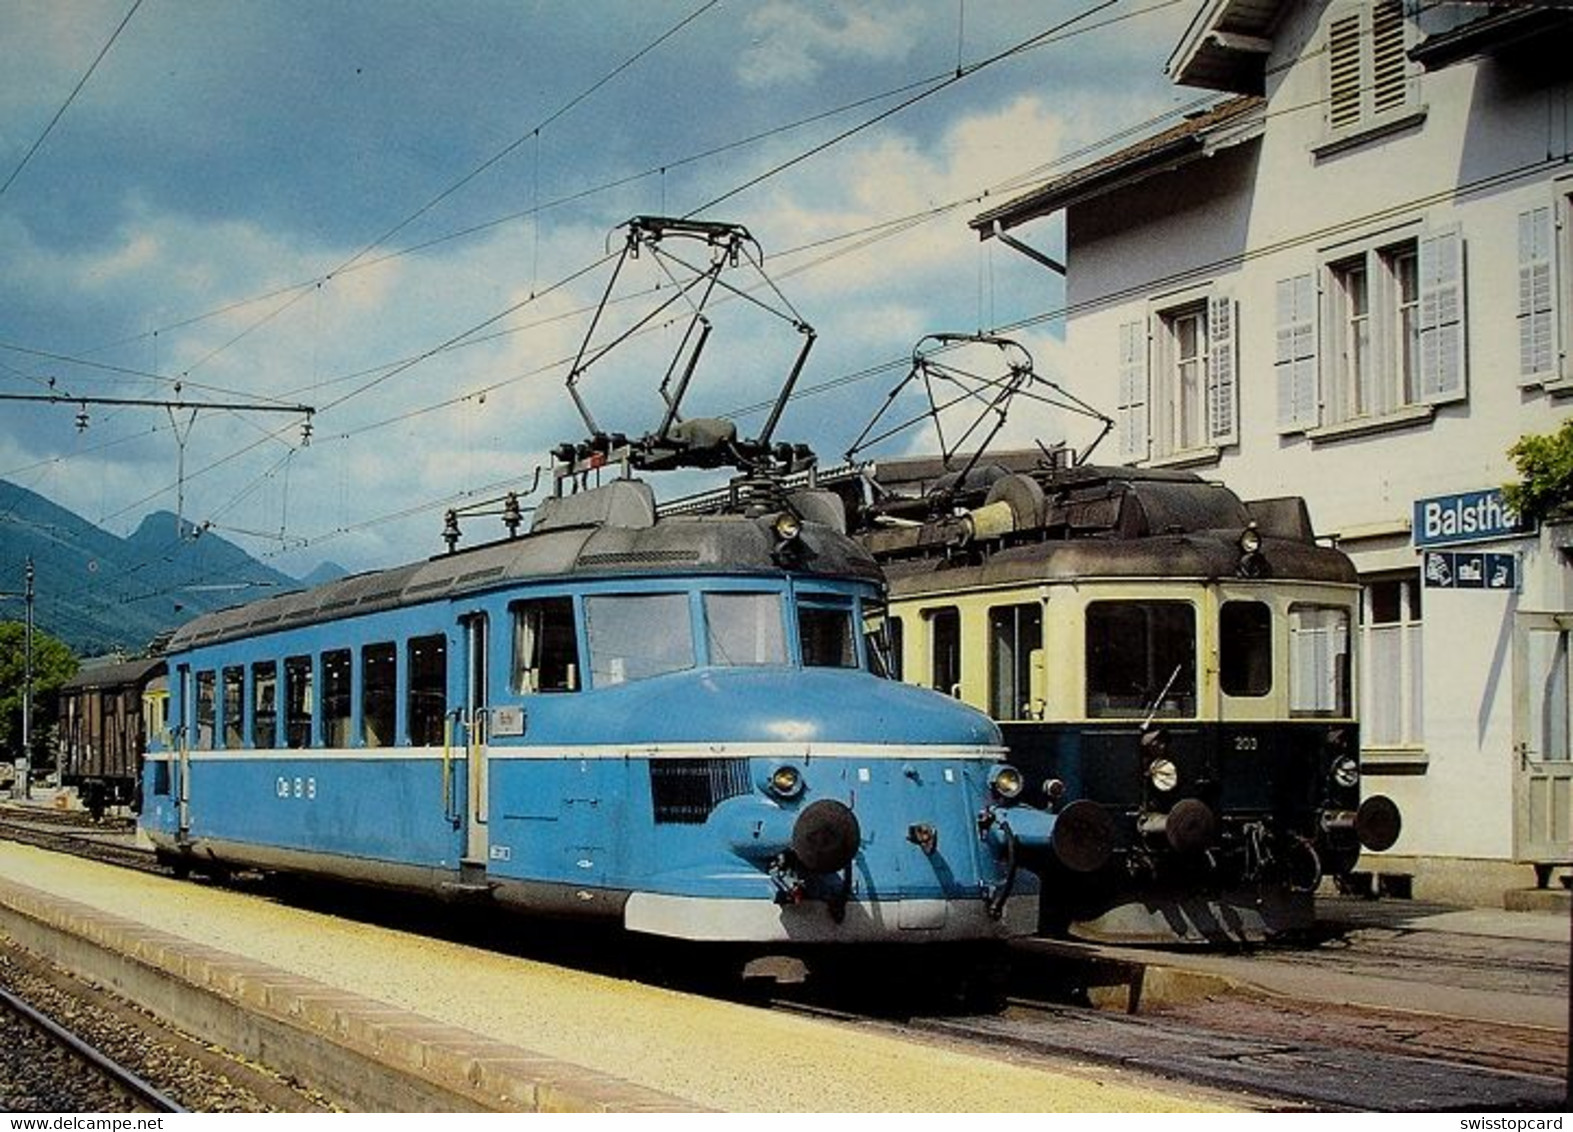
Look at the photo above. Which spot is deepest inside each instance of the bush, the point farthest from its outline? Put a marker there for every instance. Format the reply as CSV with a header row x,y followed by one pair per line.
x,y
1545,464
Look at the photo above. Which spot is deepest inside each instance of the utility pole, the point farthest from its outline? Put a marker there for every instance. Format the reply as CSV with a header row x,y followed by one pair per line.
x,y
22,788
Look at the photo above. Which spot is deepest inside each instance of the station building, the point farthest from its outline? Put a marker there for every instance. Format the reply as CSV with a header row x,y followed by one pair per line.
x,y
1350,277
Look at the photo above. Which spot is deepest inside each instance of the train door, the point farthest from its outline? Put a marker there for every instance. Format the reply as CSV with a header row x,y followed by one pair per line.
x,y
1543,741
182,765
477,725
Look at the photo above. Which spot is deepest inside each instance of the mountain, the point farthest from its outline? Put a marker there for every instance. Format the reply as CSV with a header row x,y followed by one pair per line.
x,y
100,593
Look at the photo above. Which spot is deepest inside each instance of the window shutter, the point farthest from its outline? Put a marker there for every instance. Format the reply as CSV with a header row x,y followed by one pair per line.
x,y
1389,65
1343,71
1537,320
1295,361
1442,376
1131,411
1223,386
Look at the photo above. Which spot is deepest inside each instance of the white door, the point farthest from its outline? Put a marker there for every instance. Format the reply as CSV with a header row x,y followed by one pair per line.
x,y
1543,740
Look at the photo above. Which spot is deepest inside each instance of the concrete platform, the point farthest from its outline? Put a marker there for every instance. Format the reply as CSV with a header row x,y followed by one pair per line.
x,y
327,1000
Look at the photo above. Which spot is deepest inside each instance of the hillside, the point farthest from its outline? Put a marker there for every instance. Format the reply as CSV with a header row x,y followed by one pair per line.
x,y
100,593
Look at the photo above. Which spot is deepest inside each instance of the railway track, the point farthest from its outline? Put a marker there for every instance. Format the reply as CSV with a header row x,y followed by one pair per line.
x,y
63,1070
1290,1053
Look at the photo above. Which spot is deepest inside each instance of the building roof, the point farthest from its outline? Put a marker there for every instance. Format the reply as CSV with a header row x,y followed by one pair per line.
x,y
1225,124
1498,28
1226,46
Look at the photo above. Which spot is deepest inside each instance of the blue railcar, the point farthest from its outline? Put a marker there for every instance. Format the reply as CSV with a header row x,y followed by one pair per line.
x,y
673,722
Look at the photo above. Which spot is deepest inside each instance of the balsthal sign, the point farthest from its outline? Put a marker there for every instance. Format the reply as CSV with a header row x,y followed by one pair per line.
x,y
1468,516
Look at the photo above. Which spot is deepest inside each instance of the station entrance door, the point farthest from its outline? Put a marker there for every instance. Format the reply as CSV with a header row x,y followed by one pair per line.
x,y
1543,741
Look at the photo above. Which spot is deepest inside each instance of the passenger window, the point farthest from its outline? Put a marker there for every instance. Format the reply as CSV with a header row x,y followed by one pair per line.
x,y
1141,659
264,705
744,629
379,682
637,636
204,711
826,636
1245,648
298,701
545,649
1319,660
428,694
1015,648
336,698
234,705
945,649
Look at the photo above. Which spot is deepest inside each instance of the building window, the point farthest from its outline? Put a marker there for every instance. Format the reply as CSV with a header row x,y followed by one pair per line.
x,y
1392,336
1368,76
1375,353
1391,652
1190,402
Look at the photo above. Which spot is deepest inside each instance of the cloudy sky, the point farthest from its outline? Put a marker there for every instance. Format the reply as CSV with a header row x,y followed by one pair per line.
x,y
397,212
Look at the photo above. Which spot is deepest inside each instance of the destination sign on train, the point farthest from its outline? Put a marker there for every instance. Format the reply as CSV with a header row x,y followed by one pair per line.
x,y
1469,516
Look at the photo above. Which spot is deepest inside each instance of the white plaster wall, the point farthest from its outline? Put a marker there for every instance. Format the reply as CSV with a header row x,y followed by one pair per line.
x,y
1250,216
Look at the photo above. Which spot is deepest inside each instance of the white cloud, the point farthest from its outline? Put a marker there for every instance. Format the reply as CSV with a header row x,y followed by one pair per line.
x,y
792,42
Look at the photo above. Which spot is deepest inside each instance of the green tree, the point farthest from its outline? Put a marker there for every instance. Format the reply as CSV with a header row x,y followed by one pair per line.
x,y
53,664
1545,464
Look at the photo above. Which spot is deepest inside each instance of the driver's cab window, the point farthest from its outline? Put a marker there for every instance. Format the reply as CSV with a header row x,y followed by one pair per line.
x,y
827,633
545,648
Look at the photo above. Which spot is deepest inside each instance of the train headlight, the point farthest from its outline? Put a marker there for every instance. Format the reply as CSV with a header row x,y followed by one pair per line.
x,y
1346,771
1006,782
788,526
785,781
1250,540
1163,775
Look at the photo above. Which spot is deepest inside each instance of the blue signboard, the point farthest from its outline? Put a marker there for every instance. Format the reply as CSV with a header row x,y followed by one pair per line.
x,y
1446,570
1468,516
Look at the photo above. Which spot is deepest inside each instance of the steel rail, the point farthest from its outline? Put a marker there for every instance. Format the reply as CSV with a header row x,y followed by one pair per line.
x,y
103,1063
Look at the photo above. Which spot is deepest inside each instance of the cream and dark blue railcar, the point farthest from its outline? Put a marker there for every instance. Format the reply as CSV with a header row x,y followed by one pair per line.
x,y
667,722
1154,646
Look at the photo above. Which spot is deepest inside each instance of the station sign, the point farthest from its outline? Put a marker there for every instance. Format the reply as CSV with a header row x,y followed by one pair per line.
x,y
1467,516
1469,570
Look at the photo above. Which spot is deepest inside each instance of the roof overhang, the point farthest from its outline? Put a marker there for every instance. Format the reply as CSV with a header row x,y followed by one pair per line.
x,y
1226,46
1500,28
1221,127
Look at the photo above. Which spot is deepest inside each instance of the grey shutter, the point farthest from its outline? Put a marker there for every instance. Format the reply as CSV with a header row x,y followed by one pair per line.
x,y
1537,318
1131,412
1442,376
1223,367
1294,363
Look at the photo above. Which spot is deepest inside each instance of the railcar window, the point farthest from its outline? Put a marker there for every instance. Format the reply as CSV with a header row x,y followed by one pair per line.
x,y
1245,648
1141,659
744,629
264,705
827,636
1015,635
379,684
297,701
945,649
234,698
637,636
204,711
545,650
883,637
1318,660
428,693
336,698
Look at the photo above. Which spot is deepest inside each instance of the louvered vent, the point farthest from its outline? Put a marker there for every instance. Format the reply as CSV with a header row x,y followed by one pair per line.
x,y
685,791
1343,63
1389,68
